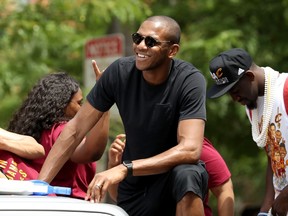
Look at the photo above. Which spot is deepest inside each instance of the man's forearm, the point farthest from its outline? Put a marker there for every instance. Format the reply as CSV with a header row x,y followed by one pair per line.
x,y
269,190
59,154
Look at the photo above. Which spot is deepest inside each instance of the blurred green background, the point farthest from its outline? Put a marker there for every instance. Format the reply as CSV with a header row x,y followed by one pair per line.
x,y
39,37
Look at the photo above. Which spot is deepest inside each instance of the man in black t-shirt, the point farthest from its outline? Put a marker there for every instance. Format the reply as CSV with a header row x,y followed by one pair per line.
x,y
161,101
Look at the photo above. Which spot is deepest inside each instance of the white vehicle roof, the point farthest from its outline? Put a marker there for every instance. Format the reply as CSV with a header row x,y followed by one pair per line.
x,y
12,205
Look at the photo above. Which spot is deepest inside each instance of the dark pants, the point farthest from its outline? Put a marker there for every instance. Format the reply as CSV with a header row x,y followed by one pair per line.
x,y
160,196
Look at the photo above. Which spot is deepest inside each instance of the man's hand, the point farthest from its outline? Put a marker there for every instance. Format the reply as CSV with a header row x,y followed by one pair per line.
x,y
101,182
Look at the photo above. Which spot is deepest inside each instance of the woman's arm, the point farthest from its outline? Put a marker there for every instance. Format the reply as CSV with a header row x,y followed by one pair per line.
x,y
93,145
225,198
21,145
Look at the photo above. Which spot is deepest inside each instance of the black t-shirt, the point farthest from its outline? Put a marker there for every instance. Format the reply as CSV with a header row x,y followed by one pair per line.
x,y
150,113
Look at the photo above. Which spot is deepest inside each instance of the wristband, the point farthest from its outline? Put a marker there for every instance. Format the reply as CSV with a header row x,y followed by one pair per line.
x,y
129,165
262,214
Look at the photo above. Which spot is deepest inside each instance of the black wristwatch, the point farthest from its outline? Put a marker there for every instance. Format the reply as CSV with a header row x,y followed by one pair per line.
x,y
129,165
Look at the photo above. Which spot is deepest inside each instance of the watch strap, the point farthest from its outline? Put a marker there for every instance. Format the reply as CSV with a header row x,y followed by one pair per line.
x,y
129,165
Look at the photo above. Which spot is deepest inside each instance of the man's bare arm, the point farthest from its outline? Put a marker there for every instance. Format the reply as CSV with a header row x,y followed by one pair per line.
x,y
69,139
187,151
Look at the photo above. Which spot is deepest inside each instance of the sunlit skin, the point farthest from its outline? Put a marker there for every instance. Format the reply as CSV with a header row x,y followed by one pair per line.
x,y
154,62
21,145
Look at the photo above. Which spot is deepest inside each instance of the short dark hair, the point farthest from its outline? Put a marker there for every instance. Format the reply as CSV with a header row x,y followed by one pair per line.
x,y
173,28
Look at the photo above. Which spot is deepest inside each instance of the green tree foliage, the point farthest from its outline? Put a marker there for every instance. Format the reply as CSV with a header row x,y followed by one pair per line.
x,y
36,39
40,38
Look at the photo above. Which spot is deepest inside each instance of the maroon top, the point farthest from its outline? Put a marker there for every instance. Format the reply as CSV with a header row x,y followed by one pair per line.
x,y
15,167
216,167
73,175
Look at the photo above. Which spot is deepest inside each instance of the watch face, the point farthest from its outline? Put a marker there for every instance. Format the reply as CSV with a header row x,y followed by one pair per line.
x,y
127,163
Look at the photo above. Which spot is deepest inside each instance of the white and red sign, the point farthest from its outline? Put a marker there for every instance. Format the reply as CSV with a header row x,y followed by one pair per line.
x,y
104,51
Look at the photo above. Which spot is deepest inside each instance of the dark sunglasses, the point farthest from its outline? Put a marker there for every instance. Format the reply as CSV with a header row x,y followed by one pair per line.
x,y
149,41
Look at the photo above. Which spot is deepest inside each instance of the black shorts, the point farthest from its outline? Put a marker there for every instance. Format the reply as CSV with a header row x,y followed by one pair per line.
x,y
160,196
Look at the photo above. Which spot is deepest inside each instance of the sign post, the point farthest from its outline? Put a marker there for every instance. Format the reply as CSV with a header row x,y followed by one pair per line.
x,y
104,51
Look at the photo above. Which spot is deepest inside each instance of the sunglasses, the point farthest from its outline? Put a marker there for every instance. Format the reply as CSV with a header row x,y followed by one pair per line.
x,y
149,41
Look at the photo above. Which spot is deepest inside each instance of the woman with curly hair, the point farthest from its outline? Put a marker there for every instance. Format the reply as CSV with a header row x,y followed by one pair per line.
x,y
46,104
51,103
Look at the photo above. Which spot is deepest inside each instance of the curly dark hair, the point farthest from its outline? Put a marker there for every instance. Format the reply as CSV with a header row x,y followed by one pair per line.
x,y
44,105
